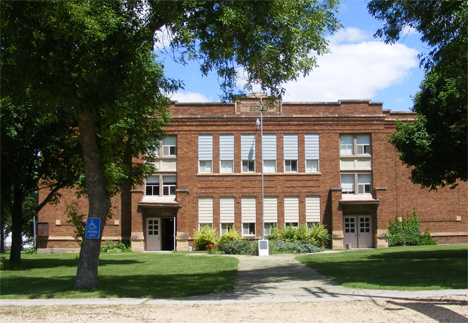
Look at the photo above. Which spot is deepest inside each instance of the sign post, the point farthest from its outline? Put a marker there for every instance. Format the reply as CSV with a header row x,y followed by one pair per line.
x,y
93,228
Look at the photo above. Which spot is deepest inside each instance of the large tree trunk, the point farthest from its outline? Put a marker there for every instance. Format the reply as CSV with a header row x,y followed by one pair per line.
x,y
99,202
17,222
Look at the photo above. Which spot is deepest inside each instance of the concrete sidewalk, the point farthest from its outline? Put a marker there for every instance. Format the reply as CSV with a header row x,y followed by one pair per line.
x,y
272,279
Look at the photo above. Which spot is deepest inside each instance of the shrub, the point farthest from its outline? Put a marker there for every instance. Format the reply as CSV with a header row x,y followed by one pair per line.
x,y
407,232
231,235
319,235
287,233
30,251
274,233
239,247
426,238
4,264
121,246
204,237
294,246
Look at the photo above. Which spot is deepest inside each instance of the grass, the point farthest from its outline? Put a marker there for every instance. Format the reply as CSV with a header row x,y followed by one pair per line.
x,y
136,275
397,268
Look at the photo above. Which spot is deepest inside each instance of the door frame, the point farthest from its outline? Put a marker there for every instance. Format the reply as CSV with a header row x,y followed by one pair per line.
x,y
357,234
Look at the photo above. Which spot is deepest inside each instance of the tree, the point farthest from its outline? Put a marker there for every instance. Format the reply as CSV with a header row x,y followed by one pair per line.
x,y
435,145
94,60
39,151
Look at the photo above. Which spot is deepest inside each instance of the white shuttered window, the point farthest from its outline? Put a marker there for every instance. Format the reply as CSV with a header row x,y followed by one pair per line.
x,y
205,153
312,152
312,209
226,153
269,153
226,210
291,209
270,210
205,210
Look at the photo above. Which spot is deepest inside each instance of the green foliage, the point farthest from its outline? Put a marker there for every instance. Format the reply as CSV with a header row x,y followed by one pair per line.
x,y
297,246
239,247
4,264
316,235
426,239
204,237
30,251
77,221
407,232
116,247
287,233
231,235
274,233
435,145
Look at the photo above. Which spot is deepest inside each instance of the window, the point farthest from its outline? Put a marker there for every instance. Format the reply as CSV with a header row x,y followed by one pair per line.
x,y
226,153
363,182
248,229
169,146
205,211
312,210
248,153
312,152
291,210
269,153
290,152
292,224
347,183
169,185
248,166
225,227
205,153
249,215
270,213
268,228
363,144
226,213
355,145
290,166
152,185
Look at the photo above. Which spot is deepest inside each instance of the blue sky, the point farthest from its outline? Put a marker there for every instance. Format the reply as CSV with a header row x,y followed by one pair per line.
x,y
358,67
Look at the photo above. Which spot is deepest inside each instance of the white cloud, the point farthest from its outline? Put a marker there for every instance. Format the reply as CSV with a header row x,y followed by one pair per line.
x,y
163,38
349,35
354,71
190,97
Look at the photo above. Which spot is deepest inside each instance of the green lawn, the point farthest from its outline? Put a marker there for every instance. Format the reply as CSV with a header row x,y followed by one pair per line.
x,y
121,275
396,268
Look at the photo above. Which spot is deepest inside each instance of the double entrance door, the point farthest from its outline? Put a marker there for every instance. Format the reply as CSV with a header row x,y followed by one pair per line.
x,y
160,233
357,230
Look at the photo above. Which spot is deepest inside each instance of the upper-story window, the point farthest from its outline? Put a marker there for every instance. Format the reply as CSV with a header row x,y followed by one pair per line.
x,y
312,152
355,145
290,152
205,153
226,153
169,147
248,153
349,182
269,153
169,185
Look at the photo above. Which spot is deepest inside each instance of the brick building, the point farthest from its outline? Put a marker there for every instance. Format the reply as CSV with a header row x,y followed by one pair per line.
x,y
323,162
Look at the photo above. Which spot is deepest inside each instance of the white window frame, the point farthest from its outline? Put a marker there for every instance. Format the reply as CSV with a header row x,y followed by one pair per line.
x,y
359,186
269,153
248,215
224,227
312,152
226,153
170,149
246,166
247,152
152,181
205,211
356,144
205,153
171,186
290,166
268,226
247,229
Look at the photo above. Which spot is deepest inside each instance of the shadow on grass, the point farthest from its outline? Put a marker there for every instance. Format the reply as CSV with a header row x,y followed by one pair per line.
x,y
27,264
395,269
136,286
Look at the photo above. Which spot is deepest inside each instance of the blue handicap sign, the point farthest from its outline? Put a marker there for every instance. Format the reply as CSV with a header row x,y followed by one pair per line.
x,y
93,226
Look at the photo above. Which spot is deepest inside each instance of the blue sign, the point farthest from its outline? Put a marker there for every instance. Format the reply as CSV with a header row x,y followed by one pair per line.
x,y
93,228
